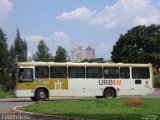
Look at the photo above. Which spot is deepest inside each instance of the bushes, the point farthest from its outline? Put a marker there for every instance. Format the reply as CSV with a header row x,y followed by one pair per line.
x,y
5,86
156,79
5,94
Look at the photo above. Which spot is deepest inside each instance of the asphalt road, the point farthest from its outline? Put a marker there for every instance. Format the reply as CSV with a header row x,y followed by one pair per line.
x,y
6,106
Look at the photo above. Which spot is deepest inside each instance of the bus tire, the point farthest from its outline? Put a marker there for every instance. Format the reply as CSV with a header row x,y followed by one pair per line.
x,y
41,94
33,99
109,93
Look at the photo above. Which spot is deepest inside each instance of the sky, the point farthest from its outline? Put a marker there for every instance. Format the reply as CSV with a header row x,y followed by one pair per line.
x,y
75,23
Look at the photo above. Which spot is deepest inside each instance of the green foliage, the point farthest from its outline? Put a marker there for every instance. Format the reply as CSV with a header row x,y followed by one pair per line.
x,y
5,79
156,79
97,109
61,55
42,53
3,50
141,44
18,50
5,94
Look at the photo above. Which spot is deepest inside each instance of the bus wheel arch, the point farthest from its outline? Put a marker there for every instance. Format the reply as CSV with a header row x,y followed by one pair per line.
x,y
41,93
110,92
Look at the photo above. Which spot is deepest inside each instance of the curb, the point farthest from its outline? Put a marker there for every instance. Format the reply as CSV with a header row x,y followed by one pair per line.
x,y
51,98
20,111
14,99
34,116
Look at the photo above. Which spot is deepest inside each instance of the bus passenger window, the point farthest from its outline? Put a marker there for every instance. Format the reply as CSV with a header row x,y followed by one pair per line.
x,y
111,72
25,75
140,73
94,72
124,72
76,72
42,72
58,72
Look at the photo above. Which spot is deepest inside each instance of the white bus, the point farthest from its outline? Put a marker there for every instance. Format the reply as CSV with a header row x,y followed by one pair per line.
x,y
40,80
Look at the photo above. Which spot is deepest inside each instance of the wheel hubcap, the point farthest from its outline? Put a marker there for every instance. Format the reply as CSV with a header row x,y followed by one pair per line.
x,y
109,95
42,95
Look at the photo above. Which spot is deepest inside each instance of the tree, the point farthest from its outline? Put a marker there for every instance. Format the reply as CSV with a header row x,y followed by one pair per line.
x,y
141,44
4,62
3,50
61,55
19,49
42,53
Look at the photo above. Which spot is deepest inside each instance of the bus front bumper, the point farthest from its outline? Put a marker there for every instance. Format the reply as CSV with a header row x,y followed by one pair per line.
x,y
23,93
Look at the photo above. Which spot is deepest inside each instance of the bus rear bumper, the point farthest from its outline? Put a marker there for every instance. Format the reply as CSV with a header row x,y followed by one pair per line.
x,y
151,90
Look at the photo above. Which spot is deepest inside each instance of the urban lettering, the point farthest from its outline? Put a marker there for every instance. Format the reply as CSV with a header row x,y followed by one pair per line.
x,y
109,82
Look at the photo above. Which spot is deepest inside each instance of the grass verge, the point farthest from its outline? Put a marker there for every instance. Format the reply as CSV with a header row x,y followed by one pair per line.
x,y
99,109
5,94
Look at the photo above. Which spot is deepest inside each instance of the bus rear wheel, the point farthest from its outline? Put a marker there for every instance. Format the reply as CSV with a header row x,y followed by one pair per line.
x,y
41,94
109,93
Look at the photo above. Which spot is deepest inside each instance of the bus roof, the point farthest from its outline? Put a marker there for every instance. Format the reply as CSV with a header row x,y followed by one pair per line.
x,y
81,64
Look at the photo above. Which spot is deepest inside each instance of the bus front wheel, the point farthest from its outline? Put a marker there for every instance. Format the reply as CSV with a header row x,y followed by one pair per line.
x,y
109,93
41,94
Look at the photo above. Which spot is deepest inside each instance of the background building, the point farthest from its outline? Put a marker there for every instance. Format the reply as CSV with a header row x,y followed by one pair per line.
x,y
74,55
89,53
77,54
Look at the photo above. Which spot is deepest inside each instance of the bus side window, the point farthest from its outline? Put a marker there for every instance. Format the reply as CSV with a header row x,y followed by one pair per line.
x,y
76,72
124,73
58,72
140,73
25,75
94,72
42,72
111,72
